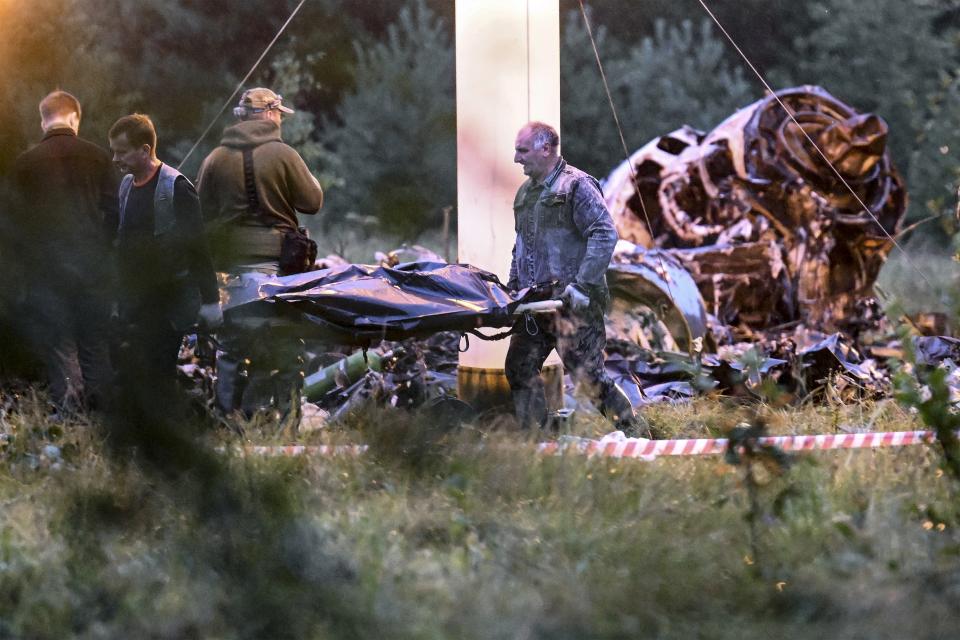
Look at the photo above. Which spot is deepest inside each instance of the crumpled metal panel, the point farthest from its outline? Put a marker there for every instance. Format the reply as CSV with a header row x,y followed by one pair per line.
x,y
745,283
648,162
824,366
932,350
833,354
658,280
755,178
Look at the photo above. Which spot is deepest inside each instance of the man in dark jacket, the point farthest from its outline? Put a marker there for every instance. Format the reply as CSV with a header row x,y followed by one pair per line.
x,y
565,237
166,279
252,187
65,221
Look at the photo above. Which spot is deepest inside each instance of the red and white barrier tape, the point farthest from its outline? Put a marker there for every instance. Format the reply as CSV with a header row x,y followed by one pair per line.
x,y
648,449
304,450
617,446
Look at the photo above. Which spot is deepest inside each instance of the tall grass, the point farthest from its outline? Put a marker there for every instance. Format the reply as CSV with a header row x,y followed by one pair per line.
x,y
429,535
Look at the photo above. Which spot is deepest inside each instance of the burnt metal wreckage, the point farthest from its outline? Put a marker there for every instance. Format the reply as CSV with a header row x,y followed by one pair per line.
x,y
745,257
766,214
769,232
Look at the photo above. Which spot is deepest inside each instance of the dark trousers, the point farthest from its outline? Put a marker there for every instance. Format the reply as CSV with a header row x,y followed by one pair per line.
x,y
148,358
151,411
256,372
579,339
69,326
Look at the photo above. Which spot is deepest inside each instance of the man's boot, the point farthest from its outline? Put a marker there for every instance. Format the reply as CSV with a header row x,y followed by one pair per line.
x,y
616,407
530,407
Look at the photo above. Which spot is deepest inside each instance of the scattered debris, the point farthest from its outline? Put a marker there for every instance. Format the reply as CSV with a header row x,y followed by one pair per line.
x,y
643,281
756,266
783,255
313,418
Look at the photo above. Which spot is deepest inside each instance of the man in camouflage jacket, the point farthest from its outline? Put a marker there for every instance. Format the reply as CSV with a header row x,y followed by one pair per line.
x,y
565,236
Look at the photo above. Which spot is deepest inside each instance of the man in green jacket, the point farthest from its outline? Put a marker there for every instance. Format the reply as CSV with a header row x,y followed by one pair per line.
x,y
249,240
251,189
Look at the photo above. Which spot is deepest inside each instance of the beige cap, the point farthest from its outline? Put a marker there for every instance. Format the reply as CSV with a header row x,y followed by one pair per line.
x,y
263,99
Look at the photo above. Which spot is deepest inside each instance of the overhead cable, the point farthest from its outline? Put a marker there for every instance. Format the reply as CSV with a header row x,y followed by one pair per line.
x,y
240,85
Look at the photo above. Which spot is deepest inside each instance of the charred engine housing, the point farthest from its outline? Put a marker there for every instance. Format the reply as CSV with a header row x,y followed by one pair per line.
x,y
767,228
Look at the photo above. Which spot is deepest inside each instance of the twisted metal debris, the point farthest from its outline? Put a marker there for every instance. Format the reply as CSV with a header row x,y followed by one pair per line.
x,y
768,232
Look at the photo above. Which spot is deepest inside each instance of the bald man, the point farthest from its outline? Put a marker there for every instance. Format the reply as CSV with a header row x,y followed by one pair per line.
x,y
565,236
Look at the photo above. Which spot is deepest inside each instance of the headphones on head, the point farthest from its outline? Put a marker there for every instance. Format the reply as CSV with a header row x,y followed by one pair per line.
x,y
243,111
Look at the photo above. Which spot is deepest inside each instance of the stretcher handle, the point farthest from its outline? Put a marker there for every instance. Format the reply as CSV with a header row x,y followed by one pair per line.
x,y
545,306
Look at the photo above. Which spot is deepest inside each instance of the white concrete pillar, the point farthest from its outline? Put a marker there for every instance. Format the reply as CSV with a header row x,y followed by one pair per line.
x,y
508,73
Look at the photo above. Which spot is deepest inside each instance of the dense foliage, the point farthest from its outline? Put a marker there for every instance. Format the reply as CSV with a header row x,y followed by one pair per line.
x,y
374,83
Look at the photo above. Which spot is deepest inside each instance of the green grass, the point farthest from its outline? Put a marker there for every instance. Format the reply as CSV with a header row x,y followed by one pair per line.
x,y
922,278
429,535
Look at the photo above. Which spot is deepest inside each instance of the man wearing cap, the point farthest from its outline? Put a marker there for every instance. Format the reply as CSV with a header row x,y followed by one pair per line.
x,y
249,239
251,189
63,227
565,238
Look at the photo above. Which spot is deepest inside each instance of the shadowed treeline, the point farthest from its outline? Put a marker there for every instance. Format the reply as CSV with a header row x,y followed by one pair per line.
x,y
374,86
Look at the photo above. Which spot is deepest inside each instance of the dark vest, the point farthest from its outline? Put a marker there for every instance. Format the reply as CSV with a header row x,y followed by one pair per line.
x,y
164,217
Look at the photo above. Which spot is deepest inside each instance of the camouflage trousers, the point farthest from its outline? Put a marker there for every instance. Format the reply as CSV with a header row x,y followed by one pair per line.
x,y
579,338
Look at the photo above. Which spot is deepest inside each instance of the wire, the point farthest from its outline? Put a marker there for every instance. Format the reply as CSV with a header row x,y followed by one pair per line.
x,y
623,142
240,85
814,144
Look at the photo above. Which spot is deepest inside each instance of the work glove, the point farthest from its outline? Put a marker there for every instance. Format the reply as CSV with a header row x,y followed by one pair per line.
x,y
575,297
210,316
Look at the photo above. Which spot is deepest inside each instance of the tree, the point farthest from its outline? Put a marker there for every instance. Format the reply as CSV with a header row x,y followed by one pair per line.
x,y
677,76
760,27
396,136
934,169
43,47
